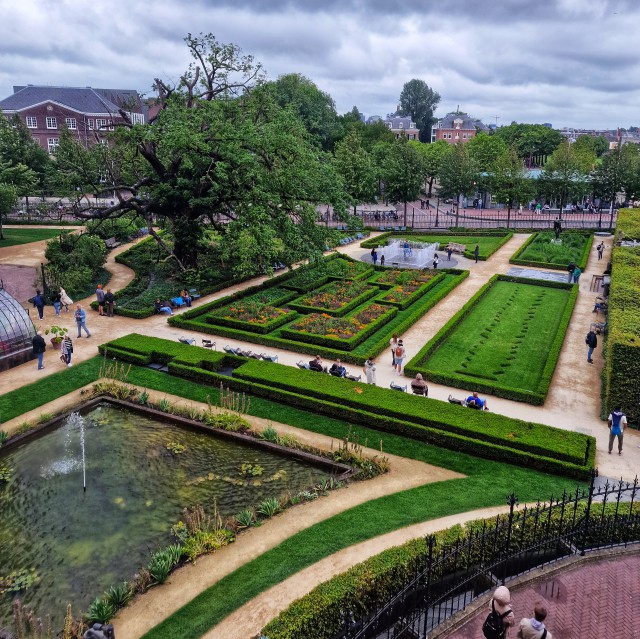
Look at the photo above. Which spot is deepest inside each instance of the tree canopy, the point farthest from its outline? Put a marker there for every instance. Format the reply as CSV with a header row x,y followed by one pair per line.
x,y
419,101
534,142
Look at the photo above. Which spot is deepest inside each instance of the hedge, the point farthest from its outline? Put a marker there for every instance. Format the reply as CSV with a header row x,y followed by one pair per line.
x,y
537,397
369,585
484,434
622,371
336,312
411,299
627,225
262,329
582,263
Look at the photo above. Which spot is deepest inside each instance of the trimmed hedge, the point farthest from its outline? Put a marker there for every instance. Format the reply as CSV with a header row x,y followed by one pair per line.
x,y
262,329
411,299
537,397
627,225
484,434
582,263
337,312
622,370
372,583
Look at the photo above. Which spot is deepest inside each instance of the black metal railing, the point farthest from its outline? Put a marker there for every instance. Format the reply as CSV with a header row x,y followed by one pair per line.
x,y
492,553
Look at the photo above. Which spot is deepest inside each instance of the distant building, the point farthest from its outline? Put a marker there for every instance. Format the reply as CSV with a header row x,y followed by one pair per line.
x,y
86,112
398,125
456,127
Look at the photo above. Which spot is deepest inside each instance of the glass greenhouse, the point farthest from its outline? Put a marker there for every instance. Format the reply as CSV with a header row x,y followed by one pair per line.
x,y
16,332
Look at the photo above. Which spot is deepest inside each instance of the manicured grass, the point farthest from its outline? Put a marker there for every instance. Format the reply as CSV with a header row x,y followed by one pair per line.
x,y
539,251
13,237
505,340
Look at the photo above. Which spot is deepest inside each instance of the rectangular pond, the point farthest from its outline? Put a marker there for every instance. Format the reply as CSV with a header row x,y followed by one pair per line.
x,y
140,474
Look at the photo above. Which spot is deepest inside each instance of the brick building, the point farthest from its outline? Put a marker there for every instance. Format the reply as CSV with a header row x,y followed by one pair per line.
x,y
398,125
86,112
456,127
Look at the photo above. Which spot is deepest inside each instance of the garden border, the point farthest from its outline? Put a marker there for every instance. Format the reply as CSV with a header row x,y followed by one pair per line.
x,y
584,258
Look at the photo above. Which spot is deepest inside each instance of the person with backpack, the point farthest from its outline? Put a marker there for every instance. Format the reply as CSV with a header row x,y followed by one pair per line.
x,y
591,341
534,628
400,353
38,302
501,617
617,424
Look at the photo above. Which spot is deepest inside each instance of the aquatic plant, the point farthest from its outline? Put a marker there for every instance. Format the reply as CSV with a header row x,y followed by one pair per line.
x,y
251,470
5,475
18,580
28,626
175,447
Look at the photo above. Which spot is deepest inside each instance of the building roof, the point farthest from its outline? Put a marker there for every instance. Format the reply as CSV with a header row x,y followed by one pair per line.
x,y
397,120
448,122
83,100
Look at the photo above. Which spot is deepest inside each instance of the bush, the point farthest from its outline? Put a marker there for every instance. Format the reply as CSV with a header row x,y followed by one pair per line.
x,y
122,228
539,252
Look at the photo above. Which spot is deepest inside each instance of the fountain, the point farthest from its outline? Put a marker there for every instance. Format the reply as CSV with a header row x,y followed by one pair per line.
x,y
401,253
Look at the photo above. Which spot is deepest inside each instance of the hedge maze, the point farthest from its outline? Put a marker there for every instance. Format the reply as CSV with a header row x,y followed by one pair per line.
x,y
337,308
505,341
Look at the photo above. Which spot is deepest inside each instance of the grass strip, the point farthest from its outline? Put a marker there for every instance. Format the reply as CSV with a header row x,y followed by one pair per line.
x,y
15,237
540,252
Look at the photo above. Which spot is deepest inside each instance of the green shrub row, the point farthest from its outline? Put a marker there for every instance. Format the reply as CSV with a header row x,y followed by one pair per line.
x,y
369,585
582,262
627,224
537,397
374,242
622,369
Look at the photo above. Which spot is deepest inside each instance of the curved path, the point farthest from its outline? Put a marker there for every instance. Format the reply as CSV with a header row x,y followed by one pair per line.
x,y
573,403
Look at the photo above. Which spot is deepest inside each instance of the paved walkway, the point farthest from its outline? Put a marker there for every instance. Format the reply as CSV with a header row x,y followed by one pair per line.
x,y
596,600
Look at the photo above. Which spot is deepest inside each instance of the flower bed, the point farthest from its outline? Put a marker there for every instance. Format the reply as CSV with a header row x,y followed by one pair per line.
x,y
395,277
346,270
341,333
251,315
404,296
336,298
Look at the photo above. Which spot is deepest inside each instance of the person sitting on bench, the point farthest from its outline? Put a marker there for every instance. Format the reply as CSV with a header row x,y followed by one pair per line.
x,y
316,364
338,370
419,386
186,297
162,307
473,401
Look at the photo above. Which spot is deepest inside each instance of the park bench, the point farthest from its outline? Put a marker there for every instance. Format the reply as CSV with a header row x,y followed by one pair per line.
x,y
457,248
112,243
420,390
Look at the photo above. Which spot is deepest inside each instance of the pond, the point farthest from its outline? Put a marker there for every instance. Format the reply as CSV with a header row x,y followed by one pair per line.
x,y
81,543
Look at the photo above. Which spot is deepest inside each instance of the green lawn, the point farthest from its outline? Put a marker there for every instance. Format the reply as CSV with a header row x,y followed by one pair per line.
x,y
26,235
540,251
505,341
487,483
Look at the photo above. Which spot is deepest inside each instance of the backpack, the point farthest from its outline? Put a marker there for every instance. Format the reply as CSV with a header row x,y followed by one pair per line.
x,y
399,351
493,626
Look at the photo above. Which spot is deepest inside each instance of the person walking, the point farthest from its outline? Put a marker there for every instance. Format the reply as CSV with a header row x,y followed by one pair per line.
x,y
436,259
39,347
374,256
370,371
577,272
65,300
38,302
66,350
617,424
81,321
449,252
393,343
534,628
57,304
600,248
109,302
476,252
501,616
100,298
591,341
400,354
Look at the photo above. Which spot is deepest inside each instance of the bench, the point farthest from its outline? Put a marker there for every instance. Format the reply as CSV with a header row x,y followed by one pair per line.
x,y
111,243
457,248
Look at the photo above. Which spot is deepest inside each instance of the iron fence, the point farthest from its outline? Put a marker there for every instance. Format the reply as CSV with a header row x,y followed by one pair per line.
x,y
490,554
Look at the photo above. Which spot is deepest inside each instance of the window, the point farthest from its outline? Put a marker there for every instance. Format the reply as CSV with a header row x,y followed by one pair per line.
x,y
52,123
53,144
32,122
71,123
457,136
101,124
90,124
110,125
136,118
464,136
400,125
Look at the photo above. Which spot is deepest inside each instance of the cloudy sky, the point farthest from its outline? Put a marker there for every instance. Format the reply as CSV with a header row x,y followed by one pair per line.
x,y
568,62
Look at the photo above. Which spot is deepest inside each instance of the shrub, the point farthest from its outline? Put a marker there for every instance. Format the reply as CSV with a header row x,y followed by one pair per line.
x,y
100,611
4,436
269,507
118,596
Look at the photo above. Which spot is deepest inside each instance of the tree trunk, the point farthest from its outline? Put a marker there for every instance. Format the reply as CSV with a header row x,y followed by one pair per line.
x,y
430,187
405,214
457,211
508,215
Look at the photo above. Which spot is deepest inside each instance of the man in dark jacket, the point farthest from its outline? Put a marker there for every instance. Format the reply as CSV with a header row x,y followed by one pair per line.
x,y
39,347
38,302
591,341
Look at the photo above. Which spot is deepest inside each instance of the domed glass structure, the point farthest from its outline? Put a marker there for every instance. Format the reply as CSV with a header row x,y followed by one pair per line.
x,y
16,333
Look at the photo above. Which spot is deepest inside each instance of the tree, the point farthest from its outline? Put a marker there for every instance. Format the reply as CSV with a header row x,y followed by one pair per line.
x,y
356,169
629,170
534,142
458,174
566,173
401,171
485,149
21,177
8,199
432,156
316,108
508,180
221,149
419,101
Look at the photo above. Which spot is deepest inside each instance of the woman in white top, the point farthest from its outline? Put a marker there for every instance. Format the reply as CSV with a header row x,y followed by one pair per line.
x,y
370,371
393,342
65,299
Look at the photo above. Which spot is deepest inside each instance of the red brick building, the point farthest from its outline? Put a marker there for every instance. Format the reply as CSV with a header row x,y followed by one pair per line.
x,y
87,113
456,127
